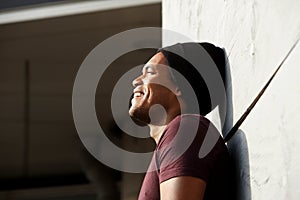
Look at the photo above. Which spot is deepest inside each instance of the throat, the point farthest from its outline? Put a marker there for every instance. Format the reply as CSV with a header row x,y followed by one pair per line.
x,y
156,132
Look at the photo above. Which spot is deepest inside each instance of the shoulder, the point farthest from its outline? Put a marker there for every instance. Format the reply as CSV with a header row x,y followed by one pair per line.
x,y
194,132
178,153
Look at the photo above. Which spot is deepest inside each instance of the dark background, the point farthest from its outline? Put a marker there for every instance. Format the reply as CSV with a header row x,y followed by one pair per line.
x,y
41,155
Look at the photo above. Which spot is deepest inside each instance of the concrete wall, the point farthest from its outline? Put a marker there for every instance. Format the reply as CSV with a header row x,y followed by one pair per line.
x,y
256,35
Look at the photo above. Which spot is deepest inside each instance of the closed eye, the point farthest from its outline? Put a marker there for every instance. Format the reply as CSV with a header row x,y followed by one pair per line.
x,y
149,70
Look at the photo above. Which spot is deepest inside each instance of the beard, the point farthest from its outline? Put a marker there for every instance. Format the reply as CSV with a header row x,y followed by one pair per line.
x,y
152,109
145,114
140,114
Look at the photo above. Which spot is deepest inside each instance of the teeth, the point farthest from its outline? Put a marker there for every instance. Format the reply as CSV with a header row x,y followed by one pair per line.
x,y
138,94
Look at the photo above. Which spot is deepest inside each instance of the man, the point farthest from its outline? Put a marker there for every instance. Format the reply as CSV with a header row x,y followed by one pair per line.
x,y
178,128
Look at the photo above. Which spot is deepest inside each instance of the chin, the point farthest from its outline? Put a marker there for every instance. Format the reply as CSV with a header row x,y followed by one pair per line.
x,y
139,116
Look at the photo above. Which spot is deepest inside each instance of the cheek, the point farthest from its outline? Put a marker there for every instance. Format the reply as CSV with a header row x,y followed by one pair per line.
x,y
164,83
160,93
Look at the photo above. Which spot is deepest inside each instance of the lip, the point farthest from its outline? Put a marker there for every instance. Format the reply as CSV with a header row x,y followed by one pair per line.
x,y
138,92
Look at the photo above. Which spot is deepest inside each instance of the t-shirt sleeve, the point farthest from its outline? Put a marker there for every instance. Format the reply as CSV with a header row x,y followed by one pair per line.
x,y
174,160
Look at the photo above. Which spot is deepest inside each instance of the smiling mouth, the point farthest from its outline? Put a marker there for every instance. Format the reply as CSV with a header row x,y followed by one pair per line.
x,y
138,94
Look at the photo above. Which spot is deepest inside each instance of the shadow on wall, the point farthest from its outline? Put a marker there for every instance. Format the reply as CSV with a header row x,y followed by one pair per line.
x,y
237,146
238,149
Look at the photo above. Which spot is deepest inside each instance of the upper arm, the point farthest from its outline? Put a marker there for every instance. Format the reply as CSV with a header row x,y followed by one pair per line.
x,y
182,187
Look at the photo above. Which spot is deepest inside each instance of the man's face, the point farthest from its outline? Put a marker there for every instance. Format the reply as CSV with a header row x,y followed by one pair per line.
x,y
154,86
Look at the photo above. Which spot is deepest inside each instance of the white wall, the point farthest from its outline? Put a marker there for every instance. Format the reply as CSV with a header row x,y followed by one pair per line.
x,y
256,35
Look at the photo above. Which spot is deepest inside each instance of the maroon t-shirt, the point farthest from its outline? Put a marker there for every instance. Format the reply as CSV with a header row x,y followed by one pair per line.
x,y
177,154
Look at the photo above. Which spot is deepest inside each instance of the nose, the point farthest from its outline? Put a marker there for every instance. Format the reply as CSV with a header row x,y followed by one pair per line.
x,y
138,81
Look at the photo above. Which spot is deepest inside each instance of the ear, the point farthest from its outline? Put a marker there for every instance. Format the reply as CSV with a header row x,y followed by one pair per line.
x,y
177,91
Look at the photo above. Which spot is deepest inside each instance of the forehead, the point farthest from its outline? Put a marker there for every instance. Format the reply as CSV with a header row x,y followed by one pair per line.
x,y
158,61
159,64
158,58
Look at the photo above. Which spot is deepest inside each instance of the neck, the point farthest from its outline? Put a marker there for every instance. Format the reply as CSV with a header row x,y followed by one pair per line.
x,y
156,131
160,119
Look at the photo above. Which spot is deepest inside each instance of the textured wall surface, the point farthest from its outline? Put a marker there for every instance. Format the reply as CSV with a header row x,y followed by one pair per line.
x,y
256,35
